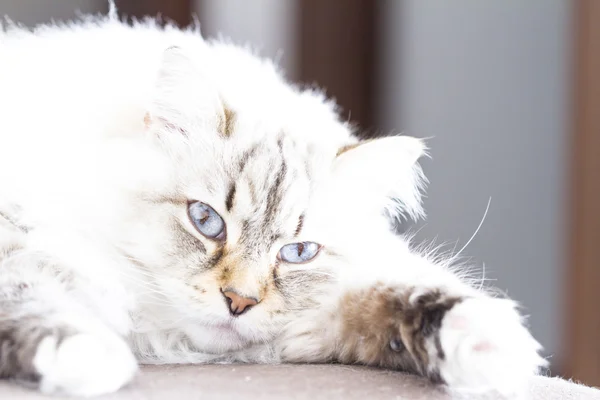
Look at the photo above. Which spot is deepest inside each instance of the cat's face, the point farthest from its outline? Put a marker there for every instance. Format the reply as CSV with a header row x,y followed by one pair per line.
x,y
257,219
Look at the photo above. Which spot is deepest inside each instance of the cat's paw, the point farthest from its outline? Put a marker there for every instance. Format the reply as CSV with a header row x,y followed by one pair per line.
x,y
486,347
84,364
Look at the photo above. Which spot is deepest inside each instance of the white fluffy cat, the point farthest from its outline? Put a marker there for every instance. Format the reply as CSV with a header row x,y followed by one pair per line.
x,y
164,199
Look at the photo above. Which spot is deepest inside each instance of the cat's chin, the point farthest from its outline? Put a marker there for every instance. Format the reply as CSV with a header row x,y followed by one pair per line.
x,y
217,338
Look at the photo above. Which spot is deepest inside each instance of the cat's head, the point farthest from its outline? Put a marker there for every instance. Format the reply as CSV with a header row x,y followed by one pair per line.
x,y
265,198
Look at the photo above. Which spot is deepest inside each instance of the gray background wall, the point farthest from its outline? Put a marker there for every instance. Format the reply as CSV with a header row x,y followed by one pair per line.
x,y
269,26
488,81
32,12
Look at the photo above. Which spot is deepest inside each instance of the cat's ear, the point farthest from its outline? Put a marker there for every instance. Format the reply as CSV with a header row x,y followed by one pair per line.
x,y
383,174
185,99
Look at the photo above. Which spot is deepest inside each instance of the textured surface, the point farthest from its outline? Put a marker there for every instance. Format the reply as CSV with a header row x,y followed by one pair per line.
x,y
314,382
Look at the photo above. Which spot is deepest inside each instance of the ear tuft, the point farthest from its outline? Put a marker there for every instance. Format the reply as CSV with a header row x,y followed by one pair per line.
x,y
384,173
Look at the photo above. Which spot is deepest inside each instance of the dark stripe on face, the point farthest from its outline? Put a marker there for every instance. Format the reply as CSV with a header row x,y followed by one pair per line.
x,y
275,194
229,122
230,197
248,154
216,258
300,225
274,237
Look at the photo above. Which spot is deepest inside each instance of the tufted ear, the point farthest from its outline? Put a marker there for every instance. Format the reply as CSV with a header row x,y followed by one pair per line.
x,y
185,99
383,173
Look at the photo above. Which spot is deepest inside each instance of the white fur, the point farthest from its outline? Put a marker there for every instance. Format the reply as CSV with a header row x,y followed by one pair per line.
x,y
84,365
483,338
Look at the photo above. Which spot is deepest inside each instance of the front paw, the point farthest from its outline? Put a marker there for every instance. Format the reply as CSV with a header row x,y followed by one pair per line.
x,y
486,347
83,364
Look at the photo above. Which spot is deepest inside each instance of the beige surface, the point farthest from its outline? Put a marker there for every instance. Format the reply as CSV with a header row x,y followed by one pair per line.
x,y
313,382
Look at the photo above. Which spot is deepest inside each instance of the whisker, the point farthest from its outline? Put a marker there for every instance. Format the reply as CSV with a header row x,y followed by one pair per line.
x,y
476,230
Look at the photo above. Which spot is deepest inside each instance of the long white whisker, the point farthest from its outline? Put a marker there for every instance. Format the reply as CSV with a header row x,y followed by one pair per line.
x,y
482,276
476,230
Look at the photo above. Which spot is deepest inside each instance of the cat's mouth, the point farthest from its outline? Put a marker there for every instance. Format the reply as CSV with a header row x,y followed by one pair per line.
x,y
217,337
225,327
229,330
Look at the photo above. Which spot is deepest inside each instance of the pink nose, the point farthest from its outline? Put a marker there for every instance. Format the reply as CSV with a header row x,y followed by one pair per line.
x,y
238,304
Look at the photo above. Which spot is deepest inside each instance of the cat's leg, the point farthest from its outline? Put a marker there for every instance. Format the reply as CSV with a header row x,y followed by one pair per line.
x,y
48,337
426,322
471,342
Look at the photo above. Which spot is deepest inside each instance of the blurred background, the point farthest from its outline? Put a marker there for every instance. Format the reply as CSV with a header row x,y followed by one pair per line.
x,y
508,95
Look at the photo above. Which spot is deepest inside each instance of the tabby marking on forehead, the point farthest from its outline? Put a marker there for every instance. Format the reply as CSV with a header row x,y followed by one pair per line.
x,y
248,154
230,197
275,194
227,122
300,225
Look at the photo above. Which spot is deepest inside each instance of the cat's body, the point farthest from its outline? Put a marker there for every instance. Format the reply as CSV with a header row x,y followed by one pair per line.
x,y
151,184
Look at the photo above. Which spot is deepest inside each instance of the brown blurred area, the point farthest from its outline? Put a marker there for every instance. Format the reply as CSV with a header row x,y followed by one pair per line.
x,y
508,91
583,272
176,10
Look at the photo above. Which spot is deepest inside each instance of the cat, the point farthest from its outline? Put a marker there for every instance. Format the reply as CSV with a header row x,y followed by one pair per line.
x,y
169,199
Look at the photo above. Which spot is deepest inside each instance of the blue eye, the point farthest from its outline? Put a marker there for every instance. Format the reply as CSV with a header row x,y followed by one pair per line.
x,y
297,253
206,220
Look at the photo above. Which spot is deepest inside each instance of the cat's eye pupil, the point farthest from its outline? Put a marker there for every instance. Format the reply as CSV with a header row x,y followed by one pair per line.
x,y
204,218
300,249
